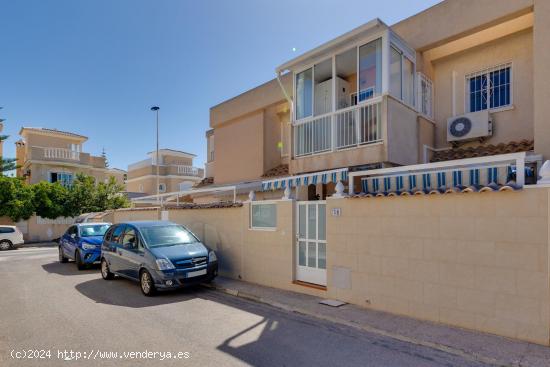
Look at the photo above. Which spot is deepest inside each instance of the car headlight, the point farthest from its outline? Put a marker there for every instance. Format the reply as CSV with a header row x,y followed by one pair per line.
x,y
165,264
88,246
212,256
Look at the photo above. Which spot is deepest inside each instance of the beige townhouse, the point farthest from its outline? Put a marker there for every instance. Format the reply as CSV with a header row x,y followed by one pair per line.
x,y
175,169
57,156
426,138
120,175
433,87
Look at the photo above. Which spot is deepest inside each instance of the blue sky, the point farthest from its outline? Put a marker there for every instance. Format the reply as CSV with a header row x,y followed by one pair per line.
x,y
95,67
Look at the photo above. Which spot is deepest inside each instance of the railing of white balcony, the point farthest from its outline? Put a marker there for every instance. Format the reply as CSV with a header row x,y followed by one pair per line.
x,y
188,170
313,136
61,153
352,126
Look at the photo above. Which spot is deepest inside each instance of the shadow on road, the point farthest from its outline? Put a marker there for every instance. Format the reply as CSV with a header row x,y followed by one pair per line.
x,y
68,269
123,292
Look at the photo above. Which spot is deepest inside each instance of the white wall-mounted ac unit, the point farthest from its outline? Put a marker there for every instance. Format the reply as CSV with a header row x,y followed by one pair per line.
x,y
473,125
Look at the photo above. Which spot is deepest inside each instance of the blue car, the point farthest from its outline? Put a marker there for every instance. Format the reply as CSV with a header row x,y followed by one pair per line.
x,y
82,243
160,255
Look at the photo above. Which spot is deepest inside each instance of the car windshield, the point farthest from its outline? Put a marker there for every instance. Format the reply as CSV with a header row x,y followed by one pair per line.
x,y
169,235
93,230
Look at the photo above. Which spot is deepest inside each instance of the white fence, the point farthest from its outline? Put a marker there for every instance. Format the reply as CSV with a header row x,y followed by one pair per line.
x,y
350,127
61,153
188,170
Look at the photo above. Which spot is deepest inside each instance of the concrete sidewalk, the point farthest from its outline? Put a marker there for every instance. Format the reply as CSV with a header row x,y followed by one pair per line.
x,y
473,345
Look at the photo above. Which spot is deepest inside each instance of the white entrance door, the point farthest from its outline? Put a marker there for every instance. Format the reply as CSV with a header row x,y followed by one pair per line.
x,y
311,242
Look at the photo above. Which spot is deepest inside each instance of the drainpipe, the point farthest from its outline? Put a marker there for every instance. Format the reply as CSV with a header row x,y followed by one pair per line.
x,y
278,74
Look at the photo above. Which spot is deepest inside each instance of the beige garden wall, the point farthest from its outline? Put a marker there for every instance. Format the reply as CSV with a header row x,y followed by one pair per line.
x,y
478,261
37,229
125,215
260,256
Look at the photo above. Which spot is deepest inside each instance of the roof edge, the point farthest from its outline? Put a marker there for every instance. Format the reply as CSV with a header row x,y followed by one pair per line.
x,y
335,41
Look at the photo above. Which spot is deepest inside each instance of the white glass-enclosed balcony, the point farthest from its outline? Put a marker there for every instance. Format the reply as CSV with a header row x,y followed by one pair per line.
x,y
341,87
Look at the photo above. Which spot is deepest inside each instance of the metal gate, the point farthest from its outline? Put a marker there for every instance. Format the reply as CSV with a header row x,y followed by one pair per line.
x,y
311,242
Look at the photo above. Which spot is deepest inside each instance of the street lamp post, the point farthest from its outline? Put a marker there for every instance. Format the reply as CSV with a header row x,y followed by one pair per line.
x,y
156,109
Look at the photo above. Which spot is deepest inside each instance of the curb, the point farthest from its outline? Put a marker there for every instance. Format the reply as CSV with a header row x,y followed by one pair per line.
x,y
474,357
39,244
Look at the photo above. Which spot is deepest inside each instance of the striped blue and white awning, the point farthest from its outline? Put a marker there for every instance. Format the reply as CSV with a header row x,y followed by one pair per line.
x,y
282,183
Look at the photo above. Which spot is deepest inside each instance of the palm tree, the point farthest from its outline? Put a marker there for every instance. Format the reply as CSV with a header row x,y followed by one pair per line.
x,y
6,164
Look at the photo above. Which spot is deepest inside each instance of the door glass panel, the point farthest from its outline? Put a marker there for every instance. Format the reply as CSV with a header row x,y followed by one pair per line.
x,y
346,79
370,70
312,221
302,221
311,255
302,253
129,239
395,73
322,222
322,260
408,81
323,88
304,94
117,234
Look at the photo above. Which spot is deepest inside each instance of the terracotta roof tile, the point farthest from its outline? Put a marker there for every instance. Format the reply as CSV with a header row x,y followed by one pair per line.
x,y
207,181
53,131
281,170
217,205
511,186
483,150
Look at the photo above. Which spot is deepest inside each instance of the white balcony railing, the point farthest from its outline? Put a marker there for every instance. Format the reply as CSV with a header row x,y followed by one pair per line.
x,y
350,127
188,170
61,153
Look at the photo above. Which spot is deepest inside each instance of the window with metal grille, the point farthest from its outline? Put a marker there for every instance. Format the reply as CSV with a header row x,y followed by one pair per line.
x,y
424,95
489,89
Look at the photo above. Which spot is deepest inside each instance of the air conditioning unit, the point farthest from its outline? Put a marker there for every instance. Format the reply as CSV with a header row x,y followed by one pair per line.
x,y
473,125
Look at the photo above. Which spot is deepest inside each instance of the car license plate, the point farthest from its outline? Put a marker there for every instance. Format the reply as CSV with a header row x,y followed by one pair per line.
x,y
197,273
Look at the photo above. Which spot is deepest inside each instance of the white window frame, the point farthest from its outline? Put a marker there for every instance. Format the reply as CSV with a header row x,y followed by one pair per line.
x,y
486,72
58,173
413,62
384,36
162,187
312,67
421,77
259,203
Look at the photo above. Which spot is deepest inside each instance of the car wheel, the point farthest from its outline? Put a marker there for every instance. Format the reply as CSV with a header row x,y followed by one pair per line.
x,y
5,245
147,284
105,272
62,258
79,264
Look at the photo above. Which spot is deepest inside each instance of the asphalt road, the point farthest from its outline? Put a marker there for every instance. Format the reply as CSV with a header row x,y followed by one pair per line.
x,y
48,306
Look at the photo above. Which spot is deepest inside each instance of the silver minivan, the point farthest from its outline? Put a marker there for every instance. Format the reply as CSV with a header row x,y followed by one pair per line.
x,y
10,237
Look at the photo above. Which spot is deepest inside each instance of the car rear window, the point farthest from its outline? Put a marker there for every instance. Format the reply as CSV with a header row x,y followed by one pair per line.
x,y
6,230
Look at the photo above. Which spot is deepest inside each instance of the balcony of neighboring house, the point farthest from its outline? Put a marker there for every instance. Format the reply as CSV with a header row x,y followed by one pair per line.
x,y
65,155
57,155
181,170
357,100
147,168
